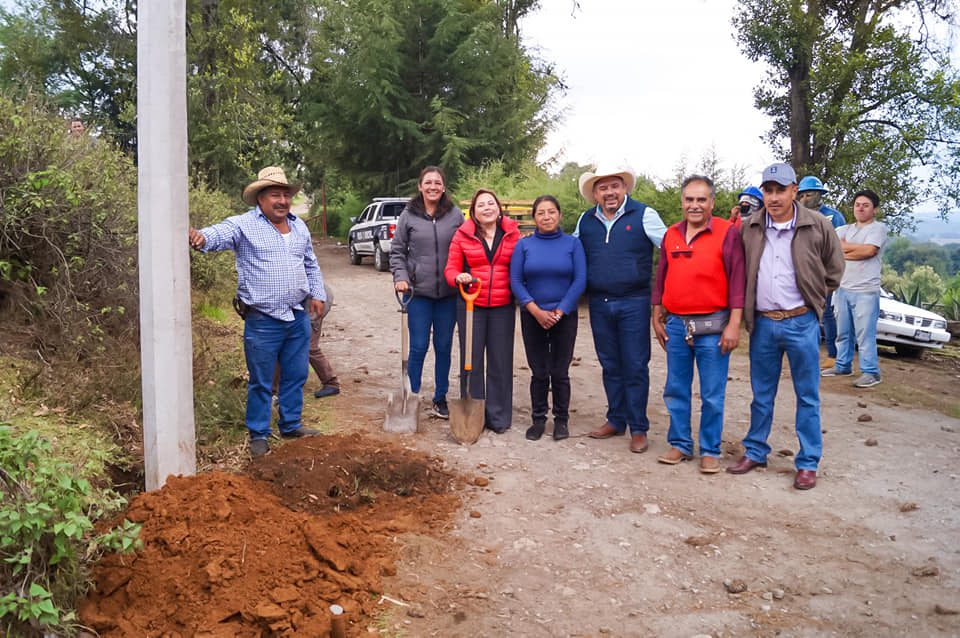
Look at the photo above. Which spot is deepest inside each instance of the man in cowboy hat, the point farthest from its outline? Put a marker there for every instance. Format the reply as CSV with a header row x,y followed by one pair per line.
x,y
793,259
280,286
619,235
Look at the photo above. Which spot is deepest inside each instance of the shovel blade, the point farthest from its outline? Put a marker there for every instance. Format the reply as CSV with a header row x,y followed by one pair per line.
x,y
466,419
403,413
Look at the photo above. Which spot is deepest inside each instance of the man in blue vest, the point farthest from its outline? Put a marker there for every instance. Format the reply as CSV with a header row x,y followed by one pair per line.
x,y
619,235
810,192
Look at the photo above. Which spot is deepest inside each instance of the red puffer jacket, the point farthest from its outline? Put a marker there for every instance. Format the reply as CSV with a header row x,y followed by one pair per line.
x,y
467,254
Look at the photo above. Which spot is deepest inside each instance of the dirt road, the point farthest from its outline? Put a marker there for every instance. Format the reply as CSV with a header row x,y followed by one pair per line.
x,y
583,538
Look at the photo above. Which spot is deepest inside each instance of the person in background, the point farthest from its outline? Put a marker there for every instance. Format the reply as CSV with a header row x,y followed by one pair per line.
x,y
481,249
77,129
619,235
793,258
279,287
330,384
810,193
749,201
418,255
858,298
548,273
698,299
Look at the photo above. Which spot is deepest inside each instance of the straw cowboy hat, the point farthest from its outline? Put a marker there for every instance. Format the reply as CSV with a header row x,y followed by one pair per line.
x,y
270,176
587,180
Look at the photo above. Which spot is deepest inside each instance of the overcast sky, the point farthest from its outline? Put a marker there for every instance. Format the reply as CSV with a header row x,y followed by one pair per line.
x,y
650,82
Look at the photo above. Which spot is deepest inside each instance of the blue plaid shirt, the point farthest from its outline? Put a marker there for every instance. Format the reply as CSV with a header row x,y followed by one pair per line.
x,y
274,275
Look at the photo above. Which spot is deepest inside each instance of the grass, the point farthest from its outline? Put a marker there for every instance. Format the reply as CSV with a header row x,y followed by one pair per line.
x,y
86,441
213,312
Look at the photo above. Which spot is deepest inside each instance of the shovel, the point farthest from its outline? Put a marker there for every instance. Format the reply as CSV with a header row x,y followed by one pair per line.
x,y
467,414
403,411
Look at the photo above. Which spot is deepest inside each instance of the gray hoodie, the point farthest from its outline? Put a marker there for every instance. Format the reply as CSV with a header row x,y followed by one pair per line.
x,y
418,252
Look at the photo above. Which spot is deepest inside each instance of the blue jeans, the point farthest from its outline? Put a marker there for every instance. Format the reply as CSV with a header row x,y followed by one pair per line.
x,y
857,314
621,336
425,313
799,339
712,365
267,342
830,327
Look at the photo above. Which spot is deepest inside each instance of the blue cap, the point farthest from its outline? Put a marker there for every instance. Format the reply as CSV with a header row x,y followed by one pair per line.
x,y
781,173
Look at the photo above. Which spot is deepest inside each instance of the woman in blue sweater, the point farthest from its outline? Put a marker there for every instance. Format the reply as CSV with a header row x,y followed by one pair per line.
x,y
548,273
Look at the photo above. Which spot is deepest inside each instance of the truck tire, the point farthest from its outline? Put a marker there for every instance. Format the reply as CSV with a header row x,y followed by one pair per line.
x,y
380,260
355,257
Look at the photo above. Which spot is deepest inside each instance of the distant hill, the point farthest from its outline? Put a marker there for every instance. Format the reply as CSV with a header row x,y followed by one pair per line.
x,y
932,228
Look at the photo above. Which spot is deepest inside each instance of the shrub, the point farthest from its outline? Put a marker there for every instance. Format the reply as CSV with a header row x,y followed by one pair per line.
x,y
47,537
212,272
68,241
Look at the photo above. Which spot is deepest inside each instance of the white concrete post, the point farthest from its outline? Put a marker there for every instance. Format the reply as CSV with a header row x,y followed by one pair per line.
x,y
166,345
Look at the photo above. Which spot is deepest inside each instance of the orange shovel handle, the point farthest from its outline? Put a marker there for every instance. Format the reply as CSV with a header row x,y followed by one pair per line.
x,y
469,297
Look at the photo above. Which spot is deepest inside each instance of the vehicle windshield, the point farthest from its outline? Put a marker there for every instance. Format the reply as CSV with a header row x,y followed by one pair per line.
x,y
392,209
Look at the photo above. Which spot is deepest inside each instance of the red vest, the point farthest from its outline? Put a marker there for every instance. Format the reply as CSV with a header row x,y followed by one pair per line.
x,y
696,282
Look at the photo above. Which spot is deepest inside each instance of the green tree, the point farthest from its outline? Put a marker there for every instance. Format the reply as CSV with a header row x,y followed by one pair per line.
x,y
80,55
864,92
246,66
903,255
398,84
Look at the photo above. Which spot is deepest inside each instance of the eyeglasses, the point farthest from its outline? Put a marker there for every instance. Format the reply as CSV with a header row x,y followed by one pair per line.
x,y
676,254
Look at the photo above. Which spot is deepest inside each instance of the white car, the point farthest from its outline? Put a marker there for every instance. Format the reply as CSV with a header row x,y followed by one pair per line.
x,y
909,329
373,229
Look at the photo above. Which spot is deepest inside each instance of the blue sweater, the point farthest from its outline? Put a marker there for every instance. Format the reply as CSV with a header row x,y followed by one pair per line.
x,y
619,261
550,270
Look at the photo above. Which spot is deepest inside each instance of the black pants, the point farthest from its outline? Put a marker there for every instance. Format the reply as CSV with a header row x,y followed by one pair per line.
x,y
549,353
493,330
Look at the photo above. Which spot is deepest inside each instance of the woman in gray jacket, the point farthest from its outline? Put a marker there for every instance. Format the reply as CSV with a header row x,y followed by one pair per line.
x,y
418,255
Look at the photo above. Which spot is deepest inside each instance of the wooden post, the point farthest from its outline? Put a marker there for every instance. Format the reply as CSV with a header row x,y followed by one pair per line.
x,y
166,346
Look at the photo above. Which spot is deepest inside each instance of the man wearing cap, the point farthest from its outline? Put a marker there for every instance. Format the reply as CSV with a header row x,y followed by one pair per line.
x,y
793,258
279,287
619,235
810,192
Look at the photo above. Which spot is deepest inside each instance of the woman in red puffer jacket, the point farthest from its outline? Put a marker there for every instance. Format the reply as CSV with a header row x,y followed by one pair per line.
x,y
481,248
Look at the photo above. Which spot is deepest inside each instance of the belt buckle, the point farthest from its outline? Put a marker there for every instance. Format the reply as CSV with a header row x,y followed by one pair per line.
x,y
780,315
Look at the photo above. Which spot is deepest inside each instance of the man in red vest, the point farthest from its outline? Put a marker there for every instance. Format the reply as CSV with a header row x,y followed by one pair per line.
x,y
697,301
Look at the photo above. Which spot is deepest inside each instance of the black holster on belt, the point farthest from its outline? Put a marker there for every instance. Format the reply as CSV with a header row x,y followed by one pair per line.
x,y
242,309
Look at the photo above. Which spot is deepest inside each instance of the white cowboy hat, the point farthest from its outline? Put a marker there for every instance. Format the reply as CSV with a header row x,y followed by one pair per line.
x,y
270,176
587,180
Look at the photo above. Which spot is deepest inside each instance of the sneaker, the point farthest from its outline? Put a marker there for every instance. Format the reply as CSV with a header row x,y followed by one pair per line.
x,y
300,432
326,391
259,447
835,372
867,380
440,409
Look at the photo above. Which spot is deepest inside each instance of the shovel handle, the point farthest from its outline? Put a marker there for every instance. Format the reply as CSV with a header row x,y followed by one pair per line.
x,y
404,298
469,298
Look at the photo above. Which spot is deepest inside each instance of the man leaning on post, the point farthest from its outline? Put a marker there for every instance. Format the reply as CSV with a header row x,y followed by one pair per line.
x,y
280,286
793,259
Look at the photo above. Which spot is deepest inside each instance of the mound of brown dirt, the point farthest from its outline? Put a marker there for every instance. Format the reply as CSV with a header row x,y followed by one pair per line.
x,y
224,556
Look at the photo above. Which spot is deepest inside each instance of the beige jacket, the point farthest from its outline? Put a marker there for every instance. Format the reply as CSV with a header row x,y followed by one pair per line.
x,y
817,258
